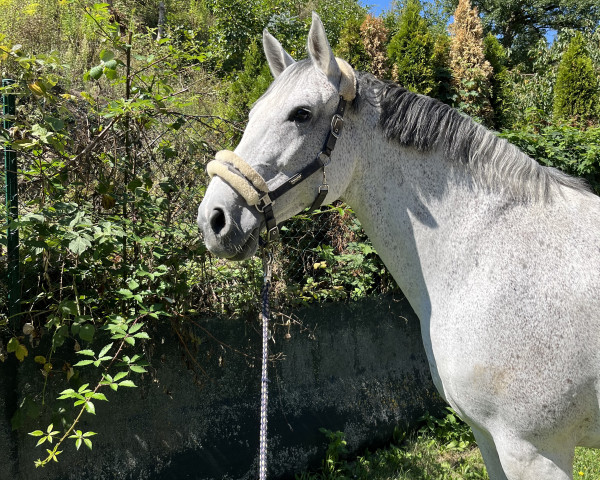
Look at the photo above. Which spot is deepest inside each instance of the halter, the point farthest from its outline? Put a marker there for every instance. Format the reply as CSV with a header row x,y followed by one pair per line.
x,y
243,178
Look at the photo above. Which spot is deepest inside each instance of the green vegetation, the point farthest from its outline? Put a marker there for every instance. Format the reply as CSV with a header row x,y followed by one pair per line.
x,y
439,449
471,72
500,83
411,50
118,111
576,90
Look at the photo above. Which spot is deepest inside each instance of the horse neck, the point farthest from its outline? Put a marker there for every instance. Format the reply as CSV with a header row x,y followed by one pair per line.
x,y
414,206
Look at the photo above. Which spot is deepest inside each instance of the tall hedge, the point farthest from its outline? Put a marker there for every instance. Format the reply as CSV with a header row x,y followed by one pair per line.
x,y
501,97
411,50
576,90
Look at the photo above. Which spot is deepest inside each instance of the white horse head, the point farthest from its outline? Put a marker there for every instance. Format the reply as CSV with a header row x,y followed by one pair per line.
x,y
286,130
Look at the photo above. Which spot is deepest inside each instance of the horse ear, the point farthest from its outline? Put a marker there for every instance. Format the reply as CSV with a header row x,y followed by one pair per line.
x,y
320,52
277,57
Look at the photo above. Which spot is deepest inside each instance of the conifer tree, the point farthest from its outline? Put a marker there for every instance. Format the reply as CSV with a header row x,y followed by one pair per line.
x,y
411,50
576,90
351,47
500,93
471,72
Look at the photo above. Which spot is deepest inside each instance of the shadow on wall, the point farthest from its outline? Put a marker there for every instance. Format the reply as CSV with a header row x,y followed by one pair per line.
x,y
359,368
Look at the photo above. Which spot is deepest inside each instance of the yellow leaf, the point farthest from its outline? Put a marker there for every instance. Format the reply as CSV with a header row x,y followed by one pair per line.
x,y
37,88
21,352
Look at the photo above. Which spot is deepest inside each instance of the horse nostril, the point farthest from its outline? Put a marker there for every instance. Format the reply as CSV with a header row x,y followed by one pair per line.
x,y
217,220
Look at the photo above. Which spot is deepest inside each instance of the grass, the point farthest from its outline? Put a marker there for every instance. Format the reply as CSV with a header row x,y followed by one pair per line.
x,y
442,449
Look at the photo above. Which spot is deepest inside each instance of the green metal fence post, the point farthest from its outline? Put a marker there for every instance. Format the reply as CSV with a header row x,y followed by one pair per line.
x,y
12,211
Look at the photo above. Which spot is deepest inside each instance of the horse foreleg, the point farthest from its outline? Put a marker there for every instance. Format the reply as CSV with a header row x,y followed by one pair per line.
x,y
486,444
522,460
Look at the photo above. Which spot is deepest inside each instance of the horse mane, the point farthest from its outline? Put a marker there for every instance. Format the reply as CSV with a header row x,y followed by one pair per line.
x,y
425,123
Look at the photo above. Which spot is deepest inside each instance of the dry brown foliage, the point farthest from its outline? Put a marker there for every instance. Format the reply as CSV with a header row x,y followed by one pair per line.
x,y
470,70
374,37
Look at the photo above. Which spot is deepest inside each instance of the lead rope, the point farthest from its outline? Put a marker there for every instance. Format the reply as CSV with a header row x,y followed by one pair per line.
x,y
267,258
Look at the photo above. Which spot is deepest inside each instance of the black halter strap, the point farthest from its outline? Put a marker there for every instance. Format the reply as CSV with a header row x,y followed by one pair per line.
x,y
265,204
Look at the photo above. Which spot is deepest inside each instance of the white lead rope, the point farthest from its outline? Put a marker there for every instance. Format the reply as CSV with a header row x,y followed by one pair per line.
x,y
264,390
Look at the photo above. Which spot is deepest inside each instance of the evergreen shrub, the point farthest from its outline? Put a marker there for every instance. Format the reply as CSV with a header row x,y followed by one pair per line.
x,y
576,89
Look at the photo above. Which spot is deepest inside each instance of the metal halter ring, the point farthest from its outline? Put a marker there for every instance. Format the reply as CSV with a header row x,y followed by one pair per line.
x,y
324,158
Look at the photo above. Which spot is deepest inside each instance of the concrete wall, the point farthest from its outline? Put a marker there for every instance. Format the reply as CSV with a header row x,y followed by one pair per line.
x,y
359,368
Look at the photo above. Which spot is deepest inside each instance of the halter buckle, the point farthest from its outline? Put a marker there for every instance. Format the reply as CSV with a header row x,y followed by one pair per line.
x,y
337,124
263,202
273,234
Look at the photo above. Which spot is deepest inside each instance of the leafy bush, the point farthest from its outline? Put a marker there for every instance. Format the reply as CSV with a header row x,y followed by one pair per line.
x,y
104,244
246,85
565,147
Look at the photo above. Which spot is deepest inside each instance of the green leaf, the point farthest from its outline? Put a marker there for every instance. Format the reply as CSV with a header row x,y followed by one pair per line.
x,y
111,73
137,369
90,408
107,56
86,332
53,454
125,293
105,349
83,363
12,345
36,433
135,183
88,353
56,124
111,65
21,352
79,245
143,335
96,72
127,383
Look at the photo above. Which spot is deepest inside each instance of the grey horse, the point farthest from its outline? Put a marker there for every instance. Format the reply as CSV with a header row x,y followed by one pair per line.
x,y
498,256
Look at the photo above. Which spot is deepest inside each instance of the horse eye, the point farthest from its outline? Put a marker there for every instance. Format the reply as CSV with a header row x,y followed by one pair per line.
x,y
301,115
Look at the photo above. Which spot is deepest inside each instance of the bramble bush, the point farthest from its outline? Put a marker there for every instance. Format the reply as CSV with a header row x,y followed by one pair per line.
x,y
104,244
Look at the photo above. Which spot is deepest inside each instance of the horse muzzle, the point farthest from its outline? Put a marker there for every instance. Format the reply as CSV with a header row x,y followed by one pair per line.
x,y
230,230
